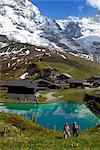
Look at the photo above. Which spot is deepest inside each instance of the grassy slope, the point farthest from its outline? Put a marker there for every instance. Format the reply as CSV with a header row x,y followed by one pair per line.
x,y
77,67
94,92
71,95
68,95
24,134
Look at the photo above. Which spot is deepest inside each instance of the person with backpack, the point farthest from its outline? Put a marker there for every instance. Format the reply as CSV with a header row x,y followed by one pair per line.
x,y
66,131
75,129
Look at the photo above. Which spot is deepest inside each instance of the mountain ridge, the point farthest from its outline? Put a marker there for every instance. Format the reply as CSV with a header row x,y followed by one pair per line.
x,y
21,21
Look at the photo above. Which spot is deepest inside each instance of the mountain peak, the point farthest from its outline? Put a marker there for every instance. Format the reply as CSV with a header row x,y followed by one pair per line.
x,y
25,5
18,20
21,21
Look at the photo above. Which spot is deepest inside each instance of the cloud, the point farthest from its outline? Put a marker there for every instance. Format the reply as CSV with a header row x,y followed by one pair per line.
x,y
94,3
80,8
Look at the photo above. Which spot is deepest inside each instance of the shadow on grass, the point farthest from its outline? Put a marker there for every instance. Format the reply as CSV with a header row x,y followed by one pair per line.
x,y
59,137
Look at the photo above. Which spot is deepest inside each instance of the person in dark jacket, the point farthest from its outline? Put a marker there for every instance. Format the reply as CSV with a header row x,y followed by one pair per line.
x,y
75,129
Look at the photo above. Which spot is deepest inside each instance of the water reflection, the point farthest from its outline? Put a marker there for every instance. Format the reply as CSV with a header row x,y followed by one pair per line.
x,y
54,115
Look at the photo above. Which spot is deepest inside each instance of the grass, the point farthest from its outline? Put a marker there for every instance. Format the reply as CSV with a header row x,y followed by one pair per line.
x,y
24,134
78,68
94,92
41,98
71,95
68,95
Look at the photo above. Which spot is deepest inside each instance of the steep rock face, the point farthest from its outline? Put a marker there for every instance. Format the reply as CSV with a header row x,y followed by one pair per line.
x,y
88,30
93,103
73,30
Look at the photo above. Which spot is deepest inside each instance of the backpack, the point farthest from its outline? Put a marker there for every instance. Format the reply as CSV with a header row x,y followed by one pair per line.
x,y
76,126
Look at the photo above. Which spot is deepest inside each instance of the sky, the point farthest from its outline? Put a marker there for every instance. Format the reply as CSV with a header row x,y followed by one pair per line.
x,y
61,9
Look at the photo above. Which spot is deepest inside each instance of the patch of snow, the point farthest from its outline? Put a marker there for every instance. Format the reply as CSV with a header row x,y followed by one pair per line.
x,y
63,56
14,68
24,76
43,50
26,63
76,55
66,74
18,60
27,52
38,49
48,54
3,44
5,59
1,54
13,64
8,65
87,41
87,57
13,58
39,55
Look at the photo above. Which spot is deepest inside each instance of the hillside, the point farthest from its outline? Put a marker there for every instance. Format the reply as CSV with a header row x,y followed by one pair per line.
x,y
92,99
21,21
78,68
19,133
17,59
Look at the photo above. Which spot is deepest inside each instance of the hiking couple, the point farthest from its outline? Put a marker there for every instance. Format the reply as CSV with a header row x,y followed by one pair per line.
x,y
67,130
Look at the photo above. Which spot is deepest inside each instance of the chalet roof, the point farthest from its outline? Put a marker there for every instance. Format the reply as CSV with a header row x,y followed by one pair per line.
x,y
96,82
95,77
77,82
40,80
24,83
50,68
21,83
46,81
93,80
64,75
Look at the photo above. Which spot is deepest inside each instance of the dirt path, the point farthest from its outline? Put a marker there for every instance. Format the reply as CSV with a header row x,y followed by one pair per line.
x,y
72,68
50,97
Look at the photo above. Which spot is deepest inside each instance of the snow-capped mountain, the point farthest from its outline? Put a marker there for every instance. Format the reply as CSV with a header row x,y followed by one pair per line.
x,y
21,21
88,36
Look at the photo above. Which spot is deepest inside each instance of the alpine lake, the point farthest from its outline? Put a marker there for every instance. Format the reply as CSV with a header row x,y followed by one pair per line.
x,y
54,115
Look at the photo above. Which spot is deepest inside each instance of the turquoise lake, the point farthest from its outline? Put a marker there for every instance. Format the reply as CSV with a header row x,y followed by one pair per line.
x,y
54,115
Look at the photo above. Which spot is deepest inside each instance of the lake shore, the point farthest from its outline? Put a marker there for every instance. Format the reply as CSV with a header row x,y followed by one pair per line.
x,y
48,96
26,134
45,96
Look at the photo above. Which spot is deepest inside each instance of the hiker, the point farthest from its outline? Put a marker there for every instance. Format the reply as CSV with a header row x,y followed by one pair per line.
x,y
75,129
66,131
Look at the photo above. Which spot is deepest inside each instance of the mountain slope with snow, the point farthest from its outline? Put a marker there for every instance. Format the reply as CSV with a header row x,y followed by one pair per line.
x,y
90,33
21,21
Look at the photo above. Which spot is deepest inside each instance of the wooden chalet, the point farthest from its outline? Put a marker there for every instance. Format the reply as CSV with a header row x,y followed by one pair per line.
x,y
95,84
44,84
78,84
63,78
97,78
49,74
19,89
93,79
